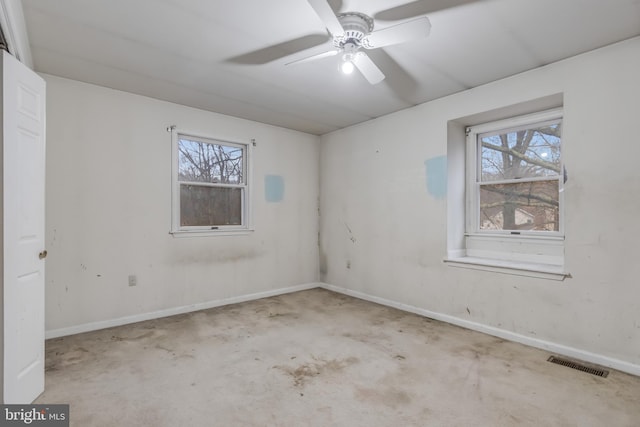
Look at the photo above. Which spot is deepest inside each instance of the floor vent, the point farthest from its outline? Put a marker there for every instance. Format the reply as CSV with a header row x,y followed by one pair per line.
x,y
580,367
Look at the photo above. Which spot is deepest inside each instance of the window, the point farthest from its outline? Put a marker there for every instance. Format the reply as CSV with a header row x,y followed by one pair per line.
x,y
516,177
513,214
210,187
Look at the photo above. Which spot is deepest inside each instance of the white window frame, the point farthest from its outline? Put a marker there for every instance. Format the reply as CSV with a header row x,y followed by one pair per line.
x,y
498,250
182,231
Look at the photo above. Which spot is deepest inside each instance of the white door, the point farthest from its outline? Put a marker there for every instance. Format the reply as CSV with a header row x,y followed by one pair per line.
x,y
23,145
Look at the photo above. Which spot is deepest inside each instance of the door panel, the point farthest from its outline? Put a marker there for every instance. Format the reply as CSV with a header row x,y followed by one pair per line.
x,y
23,144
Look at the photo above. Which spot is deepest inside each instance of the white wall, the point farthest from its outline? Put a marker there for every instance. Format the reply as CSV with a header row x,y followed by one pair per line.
x,y
109,210
384,233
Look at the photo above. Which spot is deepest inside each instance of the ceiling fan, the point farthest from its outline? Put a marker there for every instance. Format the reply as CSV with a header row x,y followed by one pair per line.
x,y
353,32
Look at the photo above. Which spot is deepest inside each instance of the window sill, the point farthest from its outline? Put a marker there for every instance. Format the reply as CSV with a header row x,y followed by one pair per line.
x,y
207,233
541,271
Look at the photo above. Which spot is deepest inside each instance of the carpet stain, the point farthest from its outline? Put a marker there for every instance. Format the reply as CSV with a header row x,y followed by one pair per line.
x,y
305,372
63,359
136,338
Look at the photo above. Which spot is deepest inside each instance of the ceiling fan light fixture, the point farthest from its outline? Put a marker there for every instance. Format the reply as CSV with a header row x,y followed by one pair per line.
x,y
347,67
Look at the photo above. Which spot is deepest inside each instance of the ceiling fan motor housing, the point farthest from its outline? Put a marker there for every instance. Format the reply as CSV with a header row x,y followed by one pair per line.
x,y
356,27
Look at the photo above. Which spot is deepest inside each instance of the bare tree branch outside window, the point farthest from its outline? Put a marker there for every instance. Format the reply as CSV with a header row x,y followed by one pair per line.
x,y
211,177
519,179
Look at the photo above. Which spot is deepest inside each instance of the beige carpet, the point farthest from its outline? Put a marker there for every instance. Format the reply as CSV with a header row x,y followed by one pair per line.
x,y
316,358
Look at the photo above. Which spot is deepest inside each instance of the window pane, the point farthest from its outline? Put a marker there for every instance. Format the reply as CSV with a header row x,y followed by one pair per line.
x,y
519,154
520,206
200,161
210,206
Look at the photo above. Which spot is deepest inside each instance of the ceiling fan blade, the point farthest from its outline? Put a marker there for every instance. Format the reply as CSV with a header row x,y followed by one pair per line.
x,y
314,57
369,70
417,8
330,20
407,31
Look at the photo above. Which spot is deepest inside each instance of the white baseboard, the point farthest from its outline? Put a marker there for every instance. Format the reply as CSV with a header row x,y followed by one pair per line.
x,y
94,326
559,349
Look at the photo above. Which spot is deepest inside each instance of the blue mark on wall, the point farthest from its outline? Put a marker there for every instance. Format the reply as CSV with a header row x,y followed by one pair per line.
x,y
273,188
436,168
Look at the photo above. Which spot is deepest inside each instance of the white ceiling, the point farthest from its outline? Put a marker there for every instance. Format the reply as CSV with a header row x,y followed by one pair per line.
x,y
228,56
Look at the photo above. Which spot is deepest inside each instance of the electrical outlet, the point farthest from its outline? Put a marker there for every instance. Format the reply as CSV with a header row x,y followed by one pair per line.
x,y
133,280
